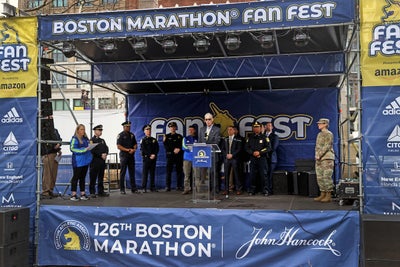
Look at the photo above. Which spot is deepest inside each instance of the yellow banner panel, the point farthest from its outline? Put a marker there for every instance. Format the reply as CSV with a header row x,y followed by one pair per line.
x,y
380,42
18,57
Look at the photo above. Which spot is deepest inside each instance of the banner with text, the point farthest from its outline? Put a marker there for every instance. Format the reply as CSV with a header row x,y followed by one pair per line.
x,y
18,57
197,19
380,42
293,112
381,149
196,237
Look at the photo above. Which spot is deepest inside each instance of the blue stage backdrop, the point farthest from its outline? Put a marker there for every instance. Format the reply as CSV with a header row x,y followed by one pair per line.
x,y
294,114
381,149
196,237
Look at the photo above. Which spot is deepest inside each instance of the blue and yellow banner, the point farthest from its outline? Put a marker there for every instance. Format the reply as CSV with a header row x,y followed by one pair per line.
x,y
197,237
380,42
18,57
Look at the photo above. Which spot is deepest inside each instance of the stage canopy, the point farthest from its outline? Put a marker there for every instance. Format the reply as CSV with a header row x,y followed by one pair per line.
x,y
227,47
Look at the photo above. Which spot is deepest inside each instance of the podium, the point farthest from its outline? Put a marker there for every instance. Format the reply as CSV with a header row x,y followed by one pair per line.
x,y
205,173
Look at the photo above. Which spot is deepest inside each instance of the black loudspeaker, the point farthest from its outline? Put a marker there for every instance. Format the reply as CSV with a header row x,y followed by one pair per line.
x,y
280,183
14,225
304,165
47,108
14,255
47,129
45,73
46,91
292,183
307,184
380,240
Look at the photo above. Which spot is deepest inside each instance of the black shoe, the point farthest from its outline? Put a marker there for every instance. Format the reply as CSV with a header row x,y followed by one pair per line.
x,y
104,194
168,189
46,196
123,192
134,191
153,190
93,196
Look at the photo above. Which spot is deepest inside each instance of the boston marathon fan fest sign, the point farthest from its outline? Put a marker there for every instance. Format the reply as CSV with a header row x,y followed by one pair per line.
x,y
213,18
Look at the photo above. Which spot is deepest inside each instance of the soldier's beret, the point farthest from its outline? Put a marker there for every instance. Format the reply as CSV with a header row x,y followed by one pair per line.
x,y
126,123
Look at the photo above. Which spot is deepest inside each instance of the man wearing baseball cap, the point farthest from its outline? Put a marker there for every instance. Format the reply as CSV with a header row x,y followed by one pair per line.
x,y
324,161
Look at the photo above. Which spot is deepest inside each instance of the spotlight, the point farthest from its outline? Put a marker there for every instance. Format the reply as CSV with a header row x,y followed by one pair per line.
x,y
68,49
301,37
140,46
169,46
109,48
201,45
232,42
266,41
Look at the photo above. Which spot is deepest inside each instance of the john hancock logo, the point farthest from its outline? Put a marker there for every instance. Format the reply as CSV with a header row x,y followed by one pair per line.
x,y
72,235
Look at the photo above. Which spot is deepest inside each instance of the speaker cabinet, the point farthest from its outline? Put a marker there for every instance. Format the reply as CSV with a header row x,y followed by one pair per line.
x,y
14,225
304,165
45,73
14,255
380,240
307,183
47,108
292,183
46,91
280,183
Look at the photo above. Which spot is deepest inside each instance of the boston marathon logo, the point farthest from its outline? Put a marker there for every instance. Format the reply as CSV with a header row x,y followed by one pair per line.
x,y
285,126
13,54
72,235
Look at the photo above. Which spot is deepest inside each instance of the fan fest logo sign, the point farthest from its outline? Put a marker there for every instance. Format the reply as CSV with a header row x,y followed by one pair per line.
x,y
18,57
380,42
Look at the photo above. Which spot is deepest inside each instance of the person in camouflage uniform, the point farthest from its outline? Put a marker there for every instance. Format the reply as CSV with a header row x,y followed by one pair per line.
x,y
324,160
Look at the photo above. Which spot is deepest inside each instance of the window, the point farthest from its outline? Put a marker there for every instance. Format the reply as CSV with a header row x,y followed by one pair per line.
x,y
59,80
35,3
60,104
60,3
58,56
83,74
104,2
105,103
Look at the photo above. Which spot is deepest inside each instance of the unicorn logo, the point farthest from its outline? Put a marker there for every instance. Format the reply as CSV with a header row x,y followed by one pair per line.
x,y
223,118
73,241
8,35
391,11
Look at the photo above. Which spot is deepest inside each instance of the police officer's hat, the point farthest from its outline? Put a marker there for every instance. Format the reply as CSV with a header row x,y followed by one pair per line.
x,y
323,120
126,123
147,127
98,127
256,124
172,124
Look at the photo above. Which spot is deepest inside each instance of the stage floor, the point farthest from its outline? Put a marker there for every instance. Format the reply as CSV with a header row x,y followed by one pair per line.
x,y
175,199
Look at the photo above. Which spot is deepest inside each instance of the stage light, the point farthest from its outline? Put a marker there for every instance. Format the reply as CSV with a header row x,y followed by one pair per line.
x,y
266,40
109,47
201,44
232,41
301,37
169,46
140,46
68,49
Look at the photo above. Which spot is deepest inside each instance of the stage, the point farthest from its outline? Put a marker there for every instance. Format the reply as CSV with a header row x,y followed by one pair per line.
x,y
174,199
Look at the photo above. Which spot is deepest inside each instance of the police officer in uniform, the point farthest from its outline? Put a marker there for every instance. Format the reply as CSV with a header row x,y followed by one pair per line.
x,y
258,146
173,150
98,164
149,148
127,145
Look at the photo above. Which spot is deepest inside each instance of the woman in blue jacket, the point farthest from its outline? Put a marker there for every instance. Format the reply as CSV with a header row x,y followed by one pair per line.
x,y
81,158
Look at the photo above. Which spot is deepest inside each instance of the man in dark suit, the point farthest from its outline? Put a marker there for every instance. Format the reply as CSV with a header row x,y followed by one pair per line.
x,y
231,152
272,160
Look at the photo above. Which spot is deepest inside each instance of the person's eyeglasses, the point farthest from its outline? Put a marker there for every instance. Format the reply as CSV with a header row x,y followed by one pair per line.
x,y
207,119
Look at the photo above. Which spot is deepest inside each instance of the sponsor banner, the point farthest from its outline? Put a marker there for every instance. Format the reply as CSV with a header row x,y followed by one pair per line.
x,y
293,112
18,57
381,148
380,42
18,150
196,19
196,237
